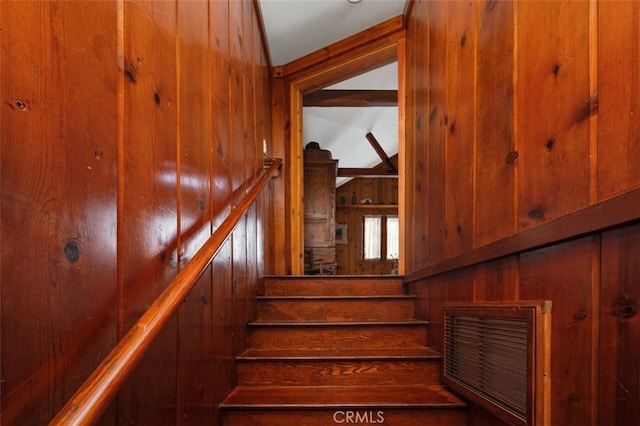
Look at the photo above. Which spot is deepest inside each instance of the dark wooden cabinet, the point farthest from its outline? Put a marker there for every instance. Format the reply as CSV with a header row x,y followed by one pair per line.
x,y
320,172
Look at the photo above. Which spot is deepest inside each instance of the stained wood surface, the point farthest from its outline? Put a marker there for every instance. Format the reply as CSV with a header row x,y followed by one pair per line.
x,y
554,190
58,219
496,145
618,150
384,194
553,137
332,285
119,174
459,127
323,397
339,309
351,98
302,359
619,325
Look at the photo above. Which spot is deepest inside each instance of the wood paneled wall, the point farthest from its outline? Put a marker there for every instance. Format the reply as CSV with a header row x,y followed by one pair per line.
x,y
129,130
521,113
383,193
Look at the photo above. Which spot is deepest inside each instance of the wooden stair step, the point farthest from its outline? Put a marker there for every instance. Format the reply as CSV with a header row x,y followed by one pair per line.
x,y
417,366
336,335
323,405
336,308
334,285
342,353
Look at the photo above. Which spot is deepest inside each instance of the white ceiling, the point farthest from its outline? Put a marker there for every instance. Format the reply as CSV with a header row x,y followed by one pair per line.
x,y
295,28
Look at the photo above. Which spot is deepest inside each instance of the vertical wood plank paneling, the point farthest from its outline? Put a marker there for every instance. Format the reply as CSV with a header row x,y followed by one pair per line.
x,y
619,369
221,153
250,111
221,201
58,151
437,128
281,226
239,285
195,368
495,159
618,103
544,69
563,274
417,128
459,130
150,194
194,133
553,109
250,58
224,367
437,297
262,132
160,87
497,281
460,286
236,94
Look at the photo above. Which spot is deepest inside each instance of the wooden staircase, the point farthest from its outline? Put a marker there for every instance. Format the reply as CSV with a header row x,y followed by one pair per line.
x,y
332,350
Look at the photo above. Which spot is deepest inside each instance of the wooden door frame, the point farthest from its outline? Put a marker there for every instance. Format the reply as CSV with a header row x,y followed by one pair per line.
x,y
310,74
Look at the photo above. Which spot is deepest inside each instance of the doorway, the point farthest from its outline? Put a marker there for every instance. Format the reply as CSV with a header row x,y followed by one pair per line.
x,y
323,74
356,121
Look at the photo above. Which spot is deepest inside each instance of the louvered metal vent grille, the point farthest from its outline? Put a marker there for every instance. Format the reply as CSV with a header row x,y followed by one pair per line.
x,y
498,357
489,356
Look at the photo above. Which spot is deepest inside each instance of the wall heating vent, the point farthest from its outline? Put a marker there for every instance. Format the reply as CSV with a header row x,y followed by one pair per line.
x,y
497,356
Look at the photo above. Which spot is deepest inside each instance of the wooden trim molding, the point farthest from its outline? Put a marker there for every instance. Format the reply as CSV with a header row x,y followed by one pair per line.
x,y
392,28
621,210
367,50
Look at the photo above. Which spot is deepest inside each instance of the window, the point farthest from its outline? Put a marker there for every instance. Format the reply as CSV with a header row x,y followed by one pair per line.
x,y
381,237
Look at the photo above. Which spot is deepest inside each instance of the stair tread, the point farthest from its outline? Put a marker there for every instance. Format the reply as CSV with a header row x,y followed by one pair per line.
x,y
338,354
366,278
299,323
278,397
340,297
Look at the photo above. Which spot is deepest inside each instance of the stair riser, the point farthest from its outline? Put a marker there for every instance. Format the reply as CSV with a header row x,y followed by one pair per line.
x,y
333,288
339,373
346,416
325,337
336,310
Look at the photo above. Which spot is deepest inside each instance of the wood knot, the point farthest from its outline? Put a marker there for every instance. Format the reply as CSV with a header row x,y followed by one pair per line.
x,y
511,157
452,129
72,251
580,315
589,108
463,40
130,73
625,308
574,399
550,144
536,213
556,68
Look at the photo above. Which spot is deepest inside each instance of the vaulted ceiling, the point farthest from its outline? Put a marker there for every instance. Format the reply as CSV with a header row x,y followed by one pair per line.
x,y
295,28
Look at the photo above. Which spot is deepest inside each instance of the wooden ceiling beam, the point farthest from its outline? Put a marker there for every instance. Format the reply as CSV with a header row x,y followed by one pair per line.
x,y
351,98
373,172
383,155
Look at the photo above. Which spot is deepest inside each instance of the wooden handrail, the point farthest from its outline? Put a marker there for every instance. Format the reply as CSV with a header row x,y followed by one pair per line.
x,y
96,392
